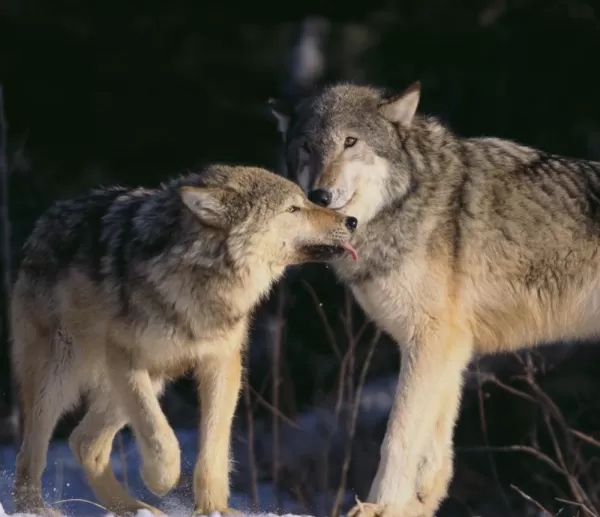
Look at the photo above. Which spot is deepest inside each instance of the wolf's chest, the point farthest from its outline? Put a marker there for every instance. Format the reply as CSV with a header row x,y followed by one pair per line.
x,y
394,299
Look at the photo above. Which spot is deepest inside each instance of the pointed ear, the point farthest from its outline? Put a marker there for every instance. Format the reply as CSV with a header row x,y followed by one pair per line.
x,y
402,108
207,204
282,113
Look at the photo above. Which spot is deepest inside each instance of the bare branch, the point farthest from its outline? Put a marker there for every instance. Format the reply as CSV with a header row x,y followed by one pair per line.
x,y
251,456
275,364
573,503
335,511
531,500
323,316
483,425
517,448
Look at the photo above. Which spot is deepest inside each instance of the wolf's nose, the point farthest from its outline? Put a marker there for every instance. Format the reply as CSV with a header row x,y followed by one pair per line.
x,y
351,223
320,196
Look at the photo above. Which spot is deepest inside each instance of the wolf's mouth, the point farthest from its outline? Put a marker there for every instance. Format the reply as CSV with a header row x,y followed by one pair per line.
x,y
323,252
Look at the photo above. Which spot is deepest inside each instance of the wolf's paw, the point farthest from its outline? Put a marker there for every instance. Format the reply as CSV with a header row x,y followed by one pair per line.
x,y
370,510
127,508
413,509
200,512
161,467
432,483
44,511
33,504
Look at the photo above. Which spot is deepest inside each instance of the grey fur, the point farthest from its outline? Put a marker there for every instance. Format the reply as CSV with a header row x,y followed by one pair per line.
x,y
467,245
121,290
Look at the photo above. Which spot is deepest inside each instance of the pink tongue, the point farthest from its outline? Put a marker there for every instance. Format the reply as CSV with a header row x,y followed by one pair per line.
x,y
348,247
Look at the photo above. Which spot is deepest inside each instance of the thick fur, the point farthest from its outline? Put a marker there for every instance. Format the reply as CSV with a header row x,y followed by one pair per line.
x,y
466,245
123,289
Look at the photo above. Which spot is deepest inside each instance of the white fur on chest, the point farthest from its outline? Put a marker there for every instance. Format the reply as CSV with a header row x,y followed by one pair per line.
x,y
394,301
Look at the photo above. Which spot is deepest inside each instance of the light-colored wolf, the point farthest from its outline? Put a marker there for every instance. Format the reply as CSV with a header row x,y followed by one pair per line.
x,y
467,245
124,289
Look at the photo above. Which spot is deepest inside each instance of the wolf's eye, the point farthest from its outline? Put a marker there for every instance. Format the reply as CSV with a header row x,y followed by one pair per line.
x,y
293,209
349,142
305,148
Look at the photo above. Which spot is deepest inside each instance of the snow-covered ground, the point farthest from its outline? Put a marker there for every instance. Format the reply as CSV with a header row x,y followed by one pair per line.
x,y
146,513
301,447
64,480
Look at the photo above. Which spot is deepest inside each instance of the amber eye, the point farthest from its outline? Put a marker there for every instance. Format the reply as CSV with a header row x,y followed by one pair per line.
x,y
349,142
293,209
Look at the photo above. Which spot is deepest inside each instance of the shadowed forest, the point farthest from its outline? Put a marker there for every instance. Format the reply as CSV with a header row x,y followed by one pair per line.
x,y
134,93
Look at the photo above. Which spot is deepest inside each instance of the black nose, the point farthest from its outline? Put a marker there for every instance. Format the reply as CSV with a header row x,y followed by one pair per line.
x,y
320,196
351,223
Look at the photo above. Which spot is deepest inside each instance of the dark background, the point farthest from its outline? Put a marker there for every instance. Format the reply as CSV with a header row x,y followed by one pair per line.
x,y
132,93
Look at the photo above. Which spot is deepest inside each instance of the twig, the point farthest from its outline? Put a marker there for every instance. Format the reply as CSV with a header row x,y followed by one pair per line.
x,y
336,418
261,400
122,458
518,448
486,377
81,501
328,330
574,485
335,511
531,500
586,438
340,387
360,505
509,389
251,456
349,329
483,425
551,410
6,257
275,388
573,503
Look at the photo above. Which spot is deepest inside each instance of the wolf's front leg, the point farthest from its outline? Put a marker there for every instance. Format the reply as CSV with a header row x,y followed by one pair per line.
x,y
431,368
219,380
161,457
436,466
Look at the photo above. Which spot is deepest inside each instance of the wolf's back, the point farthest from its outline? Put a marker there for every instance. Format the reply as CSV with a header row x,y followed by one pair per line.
x,y
70,233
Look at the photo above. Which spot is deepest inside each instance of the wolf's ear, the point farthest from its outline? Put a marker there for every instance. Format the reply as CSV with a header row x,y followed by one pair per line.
x,y
402,108
282,113
208,204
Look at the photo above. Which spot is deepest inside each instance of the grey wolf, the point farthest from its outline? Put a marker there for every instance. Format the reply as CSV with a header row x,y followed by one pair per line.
x,y
467,245
121,290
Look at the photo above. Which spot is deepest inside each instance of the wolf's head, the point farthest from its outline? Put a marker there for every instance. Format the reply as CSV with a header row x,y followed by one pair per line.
x,y
266,216
342,145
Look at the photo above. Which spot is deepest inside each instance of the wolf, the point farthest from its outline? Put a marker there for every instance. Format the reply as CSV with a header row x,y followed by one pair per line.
x,y
468,246
123,289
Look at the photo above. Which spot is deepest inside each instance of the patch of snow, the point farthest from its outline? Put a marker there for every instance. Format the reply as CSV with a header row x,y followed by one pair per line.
x,y
63,480
146,513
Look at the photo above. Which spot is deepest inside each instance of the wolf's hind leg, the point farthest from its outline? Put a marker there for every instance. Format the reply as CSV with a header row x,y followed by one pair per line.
x,y
48,388
91,443
161,456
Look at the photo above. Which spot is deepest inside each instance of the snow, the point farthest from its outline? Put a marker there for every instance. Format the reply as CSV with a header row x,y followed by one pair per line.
x,y
146,513
63,478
